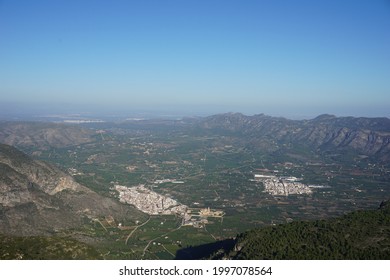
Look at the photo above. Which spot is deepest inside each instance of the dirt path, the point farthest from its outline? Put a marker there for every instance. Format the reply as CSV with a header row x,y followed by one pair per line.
x,y
154,239
137,227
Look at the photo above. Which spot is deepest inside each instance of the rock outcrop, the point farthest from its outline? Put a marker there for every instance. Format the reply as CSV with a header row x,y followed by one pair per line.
x,y
38,198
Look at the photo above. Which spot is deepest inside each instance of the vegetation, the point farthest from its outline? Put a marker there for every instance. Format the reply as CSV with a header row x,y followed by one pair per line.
x,y
45,248
216,159
358,235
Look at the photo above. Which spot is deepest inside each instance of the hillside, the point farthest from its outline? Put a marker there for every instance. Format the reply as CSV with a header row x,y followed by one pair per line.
x,y
39,135
39,199
326,133
45,248
357,235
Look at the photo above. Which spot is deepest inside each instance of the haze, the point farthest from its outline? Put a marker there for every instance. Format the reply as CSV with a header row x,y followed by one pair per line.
x,y
283,58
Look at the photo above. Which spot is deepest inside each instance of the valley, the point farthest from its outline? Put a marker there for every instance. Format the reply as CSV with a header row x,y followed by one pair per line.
x,y
204,180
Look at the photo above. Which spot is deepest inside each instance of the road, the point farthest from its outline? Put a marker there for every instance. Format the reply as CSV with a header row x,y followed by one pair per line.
x,y
137,227
154,239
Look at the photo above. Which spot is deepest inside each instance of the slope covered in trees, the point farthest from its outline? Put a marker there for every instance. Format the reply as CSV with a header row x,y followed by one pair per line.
x,y
357,235
45,248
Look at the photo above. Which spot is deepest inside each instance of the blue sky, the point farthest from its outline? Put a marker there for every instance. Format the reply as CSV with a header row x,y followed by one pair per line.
x,y
284,58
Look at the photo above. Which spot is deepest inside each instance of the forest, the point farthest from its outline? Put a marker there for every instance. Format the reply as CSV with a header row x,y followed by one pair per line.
x,y
357,235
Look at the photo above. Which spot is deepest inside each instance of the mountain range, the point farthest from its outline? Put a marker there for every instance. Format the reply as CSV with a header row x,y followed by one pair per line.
x,y
365,136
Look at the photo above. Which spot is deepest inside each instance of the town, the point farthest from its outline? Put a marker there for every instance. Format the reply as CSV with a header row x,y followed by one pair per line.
x,y
153,203
149,201
279,186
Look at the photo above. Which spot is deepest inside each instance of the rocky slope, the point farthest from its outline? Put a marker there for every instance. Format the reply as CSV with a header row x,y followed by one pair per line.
x,y
37,198
365,136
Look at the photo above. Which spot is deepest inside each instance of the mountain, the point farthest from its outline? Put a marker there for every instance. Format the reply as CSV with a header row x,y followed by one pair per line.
x,y
37,198
364,136
39,135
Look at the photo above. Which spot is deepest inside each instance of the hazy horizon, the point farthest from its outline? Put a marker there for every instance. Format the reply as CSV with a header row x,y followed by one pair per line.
x,y
22,112
296,59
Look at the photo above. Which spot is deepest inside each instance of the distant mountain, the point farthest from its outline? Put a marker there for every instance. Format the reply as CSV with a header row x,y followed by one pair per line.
x,y
37,198
366,136
39,135
326,133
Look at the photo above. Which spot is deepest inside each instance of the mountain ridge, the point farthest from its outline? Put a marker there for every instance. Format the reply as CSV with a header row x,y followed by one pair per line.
x,y
43,135
368,136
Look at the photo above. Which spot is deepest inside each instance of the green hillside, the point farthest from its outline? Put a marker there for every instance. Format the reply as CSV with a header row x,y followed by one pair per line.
x,y
358,235
45,248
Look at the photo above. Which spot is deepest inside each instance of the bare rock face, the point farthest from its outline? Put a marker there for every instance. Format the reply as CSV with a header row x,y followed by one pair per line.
x,y
50,179
37,198
13,187
366,136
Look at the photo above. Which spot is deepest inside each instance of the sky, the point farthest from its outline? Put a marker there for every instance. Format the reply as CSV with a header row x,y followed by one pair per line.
x,y
282,58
